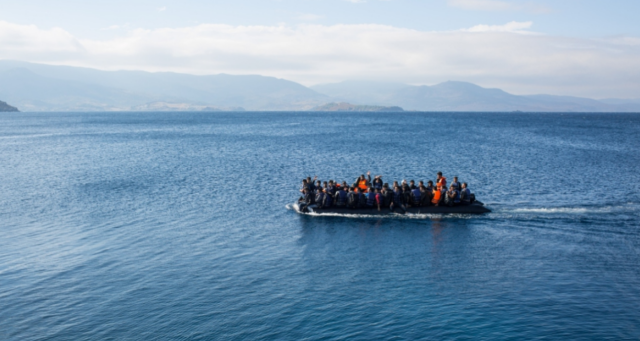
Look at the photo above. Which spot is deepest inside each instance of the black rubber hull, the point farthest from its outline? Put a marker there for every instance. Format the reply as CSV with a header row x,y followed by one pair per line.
x,y
475,208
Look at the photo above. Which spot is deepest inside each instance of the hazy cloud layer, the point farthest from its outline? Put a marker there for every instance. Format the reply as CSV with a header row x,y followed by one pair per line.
x,y
496,56
498,5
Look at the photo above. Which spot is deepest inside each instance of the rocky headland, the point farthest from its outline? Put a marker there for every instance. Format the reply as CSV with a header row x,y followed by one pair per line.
x,y
4,107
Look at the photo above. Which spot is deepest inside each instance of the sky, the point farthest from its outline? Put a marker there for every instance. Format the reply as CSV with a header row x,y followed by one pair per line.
x,y
563,47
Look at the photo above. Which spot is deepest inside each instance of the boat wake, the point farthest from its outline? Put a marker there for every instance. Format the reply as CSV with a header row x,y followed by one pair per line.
x,y
576,210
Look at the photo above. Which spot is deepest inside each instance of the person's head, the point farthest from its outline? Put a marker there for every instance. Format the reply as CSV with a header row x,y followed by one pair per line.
x,y
452,187
325,184
331,182
396,188
395,184
319,188
439,175
430,183
412,182
318,183
385,185
344,184
304,181
305,191
464,185
362,177
421,183
308,179
455,179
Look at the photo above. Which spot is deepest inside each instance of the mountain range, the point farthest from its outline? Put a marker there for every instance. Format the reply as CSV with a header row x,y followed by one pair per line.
x,y
40,87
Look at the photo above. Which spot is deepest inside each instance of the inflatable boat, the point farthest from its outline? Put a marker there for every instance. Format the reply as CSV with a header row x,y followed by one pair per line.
x,y
475,208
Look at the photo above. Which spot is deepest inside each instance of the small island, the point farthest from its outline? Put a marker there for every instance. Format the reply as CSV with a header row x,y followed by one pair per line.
x,y
4,107
343,106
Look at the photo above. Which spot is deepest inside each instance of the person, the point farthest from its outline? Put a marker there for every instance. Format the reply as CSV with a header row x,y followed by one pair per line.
x,y
379,199
371,198
452,198
332,188
328,199
465,195
344,185
306,200
312,187
305,185
412,185
319,197
430,186
425,195
387,195
406,193
438,196
441,180
416,196
363,183
398,201
377,182
318,185
362,199
352,198
455,183
341,197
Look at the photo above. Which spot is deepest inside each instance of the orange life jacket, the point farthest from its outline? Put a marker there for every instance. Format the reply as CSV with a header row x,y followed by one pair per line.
x,y
442,181
363,185
436,196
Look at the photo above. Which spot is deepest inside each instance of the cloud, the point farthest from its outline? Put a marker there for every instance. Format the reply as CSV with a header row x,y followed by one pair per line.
x,y
514,26
495,56
497,5
24,40
481,5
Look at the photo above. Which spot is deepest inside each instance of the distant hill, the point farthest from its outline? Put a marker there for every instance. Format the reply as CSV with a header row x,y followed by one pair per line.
x,y
462,96
39,87
350,107
4,107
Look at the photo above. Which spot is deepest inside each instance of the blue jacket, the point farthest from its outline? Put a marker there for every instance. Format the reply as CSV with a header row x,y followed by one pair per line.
x,y
398,198
377,184
416,195
371,199
362,200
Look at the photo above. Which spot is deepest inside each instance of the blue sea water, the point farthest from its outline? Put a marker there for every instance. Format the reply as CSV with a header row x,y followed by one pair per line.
x,y
163,226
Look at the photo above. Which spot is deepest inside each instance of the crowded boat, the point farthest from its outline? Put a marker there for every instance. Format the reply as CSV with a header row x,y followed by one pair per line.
x,y
373,194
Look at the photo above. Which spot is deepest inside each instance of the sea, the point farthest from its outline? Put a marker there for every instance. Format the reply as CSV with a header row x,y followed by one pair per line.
x,y
179,226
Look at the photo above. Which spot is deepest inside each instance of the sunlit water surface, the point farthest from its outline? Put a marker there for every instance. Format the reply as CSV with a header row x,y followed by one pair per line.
x,y
156,226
